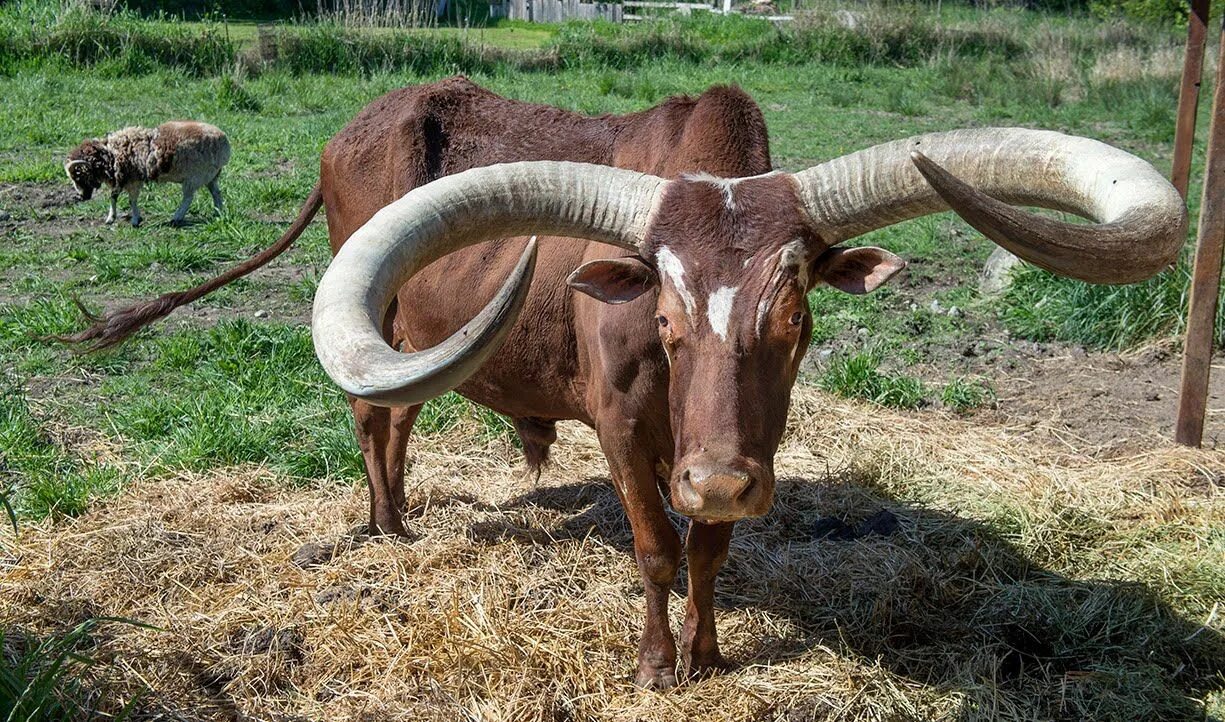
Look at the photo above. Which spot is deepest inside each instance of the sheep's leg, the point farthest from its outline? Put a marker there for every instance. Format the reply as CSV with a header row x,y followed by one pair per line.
x,y
215,190
110,217
134,203
189,192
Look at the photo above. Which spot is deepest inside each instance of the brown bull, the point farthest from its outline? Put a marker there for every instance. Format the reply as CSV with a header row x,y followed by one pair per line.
x,y
685,335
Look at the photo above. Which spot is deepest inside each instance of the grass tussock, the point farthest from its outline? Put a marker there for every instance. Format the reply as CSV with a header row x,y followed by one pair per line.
x,y
113,44
1019,584
47,679
1040,306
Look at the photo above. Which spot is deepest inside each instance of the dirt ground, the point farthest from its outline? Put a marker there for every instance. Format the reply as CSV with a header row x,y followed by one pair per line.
x,y
1103,403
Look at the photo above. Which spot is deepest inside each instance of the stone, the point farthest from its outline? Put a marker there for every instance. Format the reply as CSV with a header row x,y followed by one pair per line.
x,y
997,272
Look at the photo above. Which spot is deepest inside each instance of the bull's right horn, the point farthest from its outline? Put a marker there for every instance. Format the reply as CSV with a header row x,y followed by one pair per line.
x,y
555,198
1139,220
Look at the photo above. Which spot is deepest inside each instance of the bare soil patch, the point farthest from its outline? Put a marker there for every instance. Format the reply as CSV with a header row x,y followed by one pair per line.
x,y
1103,403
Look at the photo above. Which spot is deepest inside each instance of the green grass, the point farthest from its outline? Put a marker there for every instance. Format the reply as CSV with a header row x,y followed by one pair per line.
x,y
42,680
859,377
38,477
257,394
1042,307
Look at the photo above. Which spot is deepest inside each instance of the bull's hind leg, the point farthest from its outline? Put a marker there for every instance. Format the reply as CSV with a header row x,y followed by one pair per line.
x,y
383,436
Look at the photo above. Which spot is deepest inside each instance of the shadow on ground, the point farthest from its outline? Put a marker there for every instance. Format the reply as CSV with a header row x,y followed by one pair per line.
x,y
943,600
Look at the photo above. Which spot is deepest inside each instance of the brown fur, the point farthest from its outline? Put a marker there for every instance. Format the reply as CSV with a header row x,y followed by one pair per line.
x,y
662,388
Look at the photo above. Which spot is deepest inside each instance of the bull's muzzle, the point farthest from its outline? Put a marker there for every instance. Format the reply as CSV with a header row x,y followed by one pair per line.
x,y
711,489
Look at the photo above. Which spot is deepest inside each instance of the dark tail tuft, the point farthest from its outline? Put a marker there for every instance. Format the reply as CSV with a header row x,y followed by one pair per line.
x,y
107,330
537,436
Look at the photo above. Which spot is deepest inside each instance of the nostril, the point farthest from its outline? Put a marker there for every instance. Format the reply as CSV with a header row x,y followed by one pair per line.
x,y
749,487
686,477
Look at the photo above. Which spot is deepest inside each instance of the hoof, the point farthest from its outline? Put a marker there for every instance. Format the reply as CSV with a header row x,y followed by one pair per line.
x,y
707,665
655,679
393,527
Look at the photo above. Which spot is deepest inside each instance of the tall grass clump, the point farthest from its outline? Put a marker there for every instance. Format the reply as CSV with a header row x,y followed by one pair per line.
x,y
905,37
1040,306
858,376
114,43
38,477
333,48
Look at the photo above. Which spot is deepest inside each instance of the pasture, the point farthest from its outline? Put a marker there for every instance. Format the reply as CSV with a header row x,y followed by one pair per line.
x,y
979,513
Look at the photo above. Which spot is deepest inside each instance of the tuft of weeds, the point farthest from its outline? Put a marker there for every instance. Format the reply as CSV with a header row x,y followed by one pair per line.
x,y
43,478
962,394
232,93
1040,306
858,376
116,44
41,680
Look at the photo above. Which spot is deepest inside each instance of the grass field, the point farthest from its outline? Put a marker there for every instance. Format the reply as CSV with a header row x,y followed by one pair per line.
x,y
230,389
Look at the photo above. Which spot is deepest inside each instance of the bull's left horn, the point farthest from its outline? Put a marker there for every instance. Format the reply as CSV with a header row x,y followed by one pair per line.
x,y
566,199
1140,221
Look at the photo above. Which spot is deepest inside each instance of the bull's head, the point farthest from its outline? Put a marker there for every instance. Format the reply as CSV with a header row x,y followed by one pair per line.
x,y
733,261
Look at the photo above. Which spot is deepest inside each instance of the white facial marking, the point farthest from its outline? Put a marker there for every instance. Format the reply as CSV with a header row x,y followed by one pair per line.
x,y
794,255
719,309
727,186
670,265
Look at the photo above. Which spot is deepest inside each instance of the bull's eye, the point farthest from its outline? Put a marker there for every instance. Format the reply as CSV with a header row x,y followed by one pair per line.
x,y
797,318
663,321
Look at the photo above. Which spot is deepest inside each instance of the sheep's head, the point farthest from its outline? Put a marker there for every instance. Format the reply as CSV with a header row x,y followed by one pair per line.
x,y
88,167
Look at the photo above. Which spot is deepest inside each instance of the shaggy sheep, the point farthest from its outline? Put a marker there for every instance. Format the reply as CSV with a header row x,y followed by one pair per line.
x,y
184,152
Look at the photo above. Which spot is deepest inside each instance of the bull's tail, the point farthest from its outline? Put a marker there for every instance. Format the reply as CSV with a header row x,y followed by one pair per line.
x,y
112,328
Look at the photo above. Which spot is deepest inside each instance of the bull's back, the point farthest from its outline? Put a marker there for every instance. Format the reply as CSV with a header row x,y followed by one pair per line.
x,y
414,135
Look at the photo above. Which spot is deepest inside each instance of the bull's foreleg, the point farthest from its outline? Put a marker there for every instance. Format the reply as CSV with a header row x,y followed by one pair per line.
x,y
382,435
657,549
706,550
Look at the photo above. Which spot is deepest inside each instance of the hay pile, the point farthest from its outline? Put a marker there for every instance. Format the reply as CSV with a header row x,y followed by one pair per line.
x,y
1021,582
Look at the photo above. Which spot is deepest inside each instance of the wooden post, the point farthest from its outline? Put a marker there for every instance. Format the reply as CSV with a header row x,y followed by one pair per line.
x,y
1188,94
1206,278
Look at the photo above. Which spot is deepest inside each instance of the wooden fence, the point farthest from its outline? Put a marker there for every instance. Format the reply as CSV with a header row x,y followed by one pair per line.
x,y
556,11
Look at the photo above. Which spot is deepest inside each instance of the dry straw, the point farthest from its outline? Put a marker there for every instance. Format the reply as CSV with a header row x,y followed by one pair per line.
x,y
1021,581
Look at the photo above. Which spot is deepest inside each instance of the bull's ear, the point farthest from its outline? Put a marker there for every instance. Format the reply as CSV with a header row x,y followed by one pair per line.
x,y
613,280
857,270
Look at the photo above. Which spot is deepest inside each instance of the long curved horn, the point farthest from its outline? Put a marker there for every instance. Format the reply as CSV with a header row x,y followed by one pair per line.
x,y
567,199
1140,222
